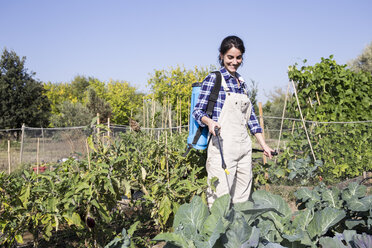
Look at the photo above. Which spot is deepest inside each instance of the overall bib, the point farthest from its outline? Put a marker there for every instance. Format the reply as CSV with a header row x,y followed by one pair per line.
x,y
237,150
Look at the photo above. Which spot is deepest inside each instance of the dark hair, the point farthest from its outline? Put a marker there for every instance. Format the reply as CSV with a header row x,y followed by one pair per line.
x,y
228,43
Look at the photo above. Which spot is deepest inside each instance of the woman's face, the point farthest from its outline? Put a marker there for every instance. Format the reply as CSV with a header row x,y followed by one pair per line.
x,y
232,59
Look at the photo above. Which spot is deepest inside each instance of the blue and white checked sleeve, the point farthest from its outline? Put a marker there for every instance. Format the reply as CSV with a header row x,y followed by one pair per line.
x,y
205,91
253,124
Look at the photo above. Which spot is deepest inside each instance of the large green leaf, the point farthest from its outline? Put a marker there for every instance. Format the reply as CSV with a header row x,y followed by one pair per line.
x,y
359,205
25,194
219,210
73,219
305,194
331,242
331,196
240,234
300,236
282,212
209,241
250,210
193,214
302,219
175,238
353,191
165,209
323,220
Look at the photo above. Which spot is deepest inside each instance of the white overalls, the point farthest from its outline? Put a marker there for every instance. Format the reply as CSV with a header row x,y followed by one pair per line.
x,y
237,150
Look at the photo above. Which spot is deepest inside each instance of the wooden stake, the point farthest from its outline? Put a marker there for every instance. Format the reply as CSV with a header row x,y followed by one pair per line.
x,y
293,124
177,113
147,116
166,155
317,97
303,120
9,162
262,126
21,152
153,115
37,155
88,155
108,131
170,116
144,117
180,114
165,113
98,122
162,115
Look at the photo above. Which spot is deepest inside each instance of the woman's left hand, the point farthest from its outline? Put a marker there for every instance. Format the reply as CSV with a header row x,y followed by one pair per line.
x,y
267,151
265,147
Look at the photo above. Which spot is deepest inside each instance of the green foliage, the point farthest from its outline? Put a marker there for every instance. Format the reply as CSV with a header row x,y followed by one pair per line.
x,y
158,170
364,61
267,221
195,226
87,198
175,85
71,114
329,92
117,100
352,202
274,107
22,99
303,170
124,101
95,104
120,242
348,239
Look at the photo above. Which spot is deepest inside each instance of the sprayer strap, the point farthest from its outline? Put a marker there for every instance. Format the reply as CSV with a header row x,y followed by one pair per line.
x,y
211,102
214,94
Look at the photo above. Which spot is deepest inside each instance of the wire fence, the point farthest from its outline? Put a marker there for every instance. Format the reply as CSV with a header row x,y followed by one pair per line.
x,y
31,145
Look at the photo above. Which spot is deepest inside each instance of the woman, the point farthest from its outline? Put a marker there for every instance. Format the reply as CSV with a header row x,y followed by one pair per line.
x,y
232,114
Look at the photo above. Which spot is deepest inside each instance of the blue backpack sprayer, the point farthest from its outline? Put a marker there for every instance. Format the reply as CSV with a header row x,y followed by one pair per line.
x,y
198,136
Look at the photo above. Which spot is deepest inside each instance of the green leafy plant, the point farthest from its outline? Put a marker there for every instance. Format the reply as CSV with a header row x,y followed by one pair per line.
x,y
303,169
329,92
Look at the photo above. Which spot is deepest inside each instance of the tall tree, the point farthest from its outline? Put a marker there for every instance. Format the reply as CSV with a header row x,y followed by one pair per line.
x,y
22,96
96,104
364,61
175,85
123,100
71,114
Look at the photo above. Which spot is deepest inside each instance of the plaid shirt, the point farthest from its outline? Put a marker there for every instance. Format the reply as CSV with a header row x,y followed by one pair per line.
x,y
206,87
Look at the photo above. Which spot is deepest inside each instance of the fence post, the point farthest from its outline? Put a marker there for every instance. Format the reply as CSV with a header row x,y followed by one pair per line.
x,y
170,116
9,163
37,155
98,122
88,155
262,126
21,152
144,113
108,127
180,114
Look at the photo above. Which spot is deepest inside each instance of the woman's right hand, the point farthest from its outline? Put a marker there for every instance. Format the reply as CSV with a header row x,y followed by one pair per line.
x,y
211,124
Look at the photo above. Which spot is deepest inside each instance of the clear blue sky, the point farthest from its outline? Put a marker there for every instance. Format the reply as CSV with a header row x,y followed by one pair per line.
x,y
128,40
